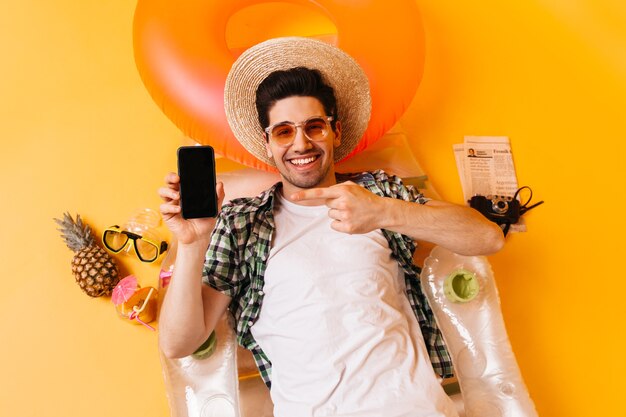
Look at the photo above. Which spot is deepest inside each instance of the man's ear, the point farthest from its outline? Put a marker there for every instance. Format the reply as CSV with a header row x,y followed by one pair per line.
x,y
337,140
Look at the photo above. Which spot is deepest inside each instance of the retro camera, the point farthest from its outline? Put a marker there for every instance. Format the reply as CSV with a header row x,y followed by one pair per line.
x,y
497,208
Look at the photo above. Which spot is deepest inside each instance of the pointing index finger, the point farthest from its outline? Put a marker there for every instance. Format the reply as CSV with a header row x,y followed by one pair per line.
x,y
315,194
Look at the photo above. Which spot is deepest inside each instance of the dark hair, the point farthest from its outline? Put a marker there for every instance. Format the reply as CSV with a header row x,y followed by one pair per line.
x,y
299,81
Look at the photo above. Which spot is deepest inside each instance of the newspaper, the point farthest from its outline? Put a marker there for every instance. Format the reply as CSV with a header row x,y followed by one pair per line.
x,y
485,165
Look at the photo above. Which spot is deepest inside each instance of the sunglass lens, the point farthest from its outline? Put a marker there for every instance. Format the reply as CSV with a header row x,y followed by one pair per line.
x,y
283,133
147,251
114,240
316,128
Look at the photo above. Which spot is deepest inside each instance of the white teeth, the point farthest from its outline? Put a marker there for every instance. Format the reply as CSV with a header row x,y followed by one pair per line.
x,y
303,161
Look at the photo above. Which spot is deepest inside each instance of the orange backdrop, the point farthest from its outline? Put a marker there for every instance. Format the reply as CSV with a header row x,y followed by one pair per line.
x,y
80,133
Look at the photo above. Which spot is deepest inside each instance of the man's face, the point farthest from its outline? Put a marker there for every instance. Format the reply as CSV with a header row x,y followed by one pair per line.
x,y
303,164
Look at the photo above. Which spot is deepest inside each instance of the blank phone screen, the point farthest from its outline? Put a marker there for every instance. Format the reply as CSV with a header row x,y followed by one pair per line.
x,y
196,168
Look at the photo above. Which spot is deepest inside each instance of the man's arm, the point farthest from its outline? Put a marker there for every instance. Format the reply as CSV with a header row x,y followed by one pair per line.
x,y
460,229
190,310
356,210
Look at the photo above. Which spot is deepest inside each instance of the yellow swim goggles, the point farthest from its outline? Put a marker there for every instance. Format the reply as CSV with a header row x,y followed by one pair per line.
x,y
115,239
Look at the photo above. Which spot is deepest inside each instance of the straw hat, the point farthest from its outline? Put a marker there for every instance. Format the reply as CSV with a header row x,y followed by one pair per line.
x,y
338,69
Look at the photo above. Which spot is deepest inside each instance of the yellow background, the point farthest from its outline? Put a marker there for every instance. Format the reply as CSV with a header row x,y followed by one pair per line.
x,y
80,133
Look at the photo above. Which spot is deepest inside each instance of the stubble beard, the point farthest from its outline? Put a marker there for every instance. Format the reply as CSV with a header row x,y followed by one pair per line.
x,y
306,181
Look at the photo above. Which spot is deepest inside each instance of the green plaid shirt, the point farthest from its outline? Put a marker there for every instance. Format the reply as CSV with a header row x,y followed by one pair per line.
x,y
240,246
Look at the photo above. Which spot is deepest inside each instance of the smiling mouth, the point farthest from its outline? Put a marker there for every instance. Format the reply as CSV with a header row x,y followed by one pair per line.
x,y
303,161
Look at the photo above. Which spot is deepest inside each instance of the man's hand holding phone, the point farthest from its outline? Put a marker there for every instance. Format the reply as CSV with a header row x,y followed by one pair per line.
x,y
192,198
186,230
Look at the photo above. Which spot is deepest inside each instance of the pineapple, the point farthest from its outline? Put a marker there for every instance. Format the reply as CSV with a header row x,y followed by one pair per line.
x,y
94,270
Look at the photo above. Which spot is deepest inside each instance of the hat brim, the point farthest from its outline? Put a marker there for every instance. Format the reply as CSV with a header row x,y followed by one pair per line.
x,y
338,69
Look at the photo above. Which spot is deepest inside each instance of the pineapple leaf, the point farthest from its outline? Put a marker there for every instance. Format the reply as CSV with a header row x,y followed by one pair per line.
x,y
76,235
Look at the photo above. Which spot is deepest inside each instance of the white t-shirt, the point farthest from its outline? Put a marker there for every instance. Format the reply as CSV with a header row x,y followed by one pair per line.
x,y
337,326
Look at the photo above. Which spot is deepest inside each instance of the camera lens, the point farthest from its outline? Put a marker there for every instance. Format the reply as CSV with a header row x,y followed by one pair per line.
x,y
500,206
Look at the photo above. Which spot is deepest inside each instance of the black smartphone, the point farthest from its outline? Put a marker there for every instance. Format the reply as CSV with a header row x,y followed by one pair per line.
x,y
196,169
